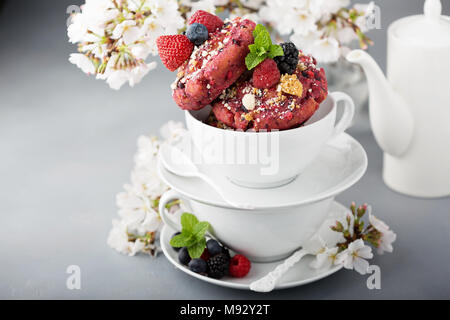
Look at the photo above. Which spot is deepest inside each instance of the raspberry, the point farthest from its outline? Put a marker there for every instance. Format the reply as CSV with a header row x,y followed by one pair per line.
x,y
210,21
218,266
205,255
174,50
288,62
266,74
239,266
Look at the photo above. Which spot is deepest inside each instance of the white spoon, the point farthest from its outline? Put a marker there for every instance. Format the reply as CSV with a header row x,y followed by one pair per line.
x,y
178,163
268,282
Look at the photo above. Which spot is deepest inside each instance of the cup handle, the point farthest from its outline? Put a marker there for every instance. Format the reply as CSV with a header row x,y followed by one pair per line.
x,y
349,112
166,198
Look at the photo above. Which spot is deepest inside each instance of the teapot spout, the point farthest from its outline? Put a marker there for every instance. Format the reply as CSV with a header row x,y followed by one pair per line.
x,y
390,118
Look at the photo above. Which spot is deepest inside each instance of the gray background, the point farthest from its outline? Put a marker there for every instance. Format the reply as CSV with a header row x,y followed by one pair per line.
x,y
67,142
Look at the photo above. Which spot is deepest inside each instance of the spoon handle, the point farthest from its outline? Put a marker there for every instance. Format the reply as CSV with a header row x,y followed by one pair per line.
x,y
209,181
268,282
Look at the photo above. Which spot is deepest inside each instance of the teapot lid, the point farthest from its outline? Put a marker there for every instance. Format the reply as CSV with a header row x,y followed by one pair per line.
x,y
431,28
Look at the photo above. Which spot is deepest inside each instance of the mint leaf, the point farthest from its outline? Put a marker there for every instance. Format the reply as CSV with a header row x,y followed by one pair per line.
x,y
195,251
200,230
262,48
188,221
263,40
258,29
275,51
182,240
252,60
261,52
253,48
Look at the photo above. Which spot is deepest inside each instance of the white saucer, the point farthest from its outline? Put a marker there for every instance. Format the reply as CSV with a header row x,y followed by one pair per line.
x,y
299,275
341,163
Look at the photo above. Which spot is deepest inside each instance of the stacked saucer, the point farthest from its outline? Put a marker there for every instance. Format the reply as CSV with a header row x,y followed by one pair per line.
x,y
266,203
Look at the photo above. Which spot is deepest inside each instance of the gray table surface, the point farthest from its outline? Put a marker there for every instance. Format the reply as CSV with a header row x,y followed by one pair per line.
x,y
66,144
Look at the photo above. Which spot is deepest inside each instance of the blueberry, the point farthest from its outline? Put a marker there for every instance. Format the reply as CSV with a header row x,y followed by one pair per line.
x,y
197,33
198,266
183,256
175,234
214,247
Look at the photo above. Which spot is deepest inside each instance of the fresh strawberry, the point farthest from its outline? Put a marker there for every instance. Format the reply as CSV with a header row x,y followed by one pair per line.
x,y
174,50
239,266
210,21
266,74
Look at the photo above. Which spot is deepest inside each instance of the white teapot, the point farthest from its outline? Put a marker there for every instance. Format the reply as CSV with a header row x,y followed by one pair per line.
x,y
410,110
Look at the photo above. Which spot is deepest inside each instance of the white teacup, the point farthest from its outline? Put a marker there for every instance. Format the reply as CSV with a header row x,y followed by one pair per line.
x,y
263,235
268,159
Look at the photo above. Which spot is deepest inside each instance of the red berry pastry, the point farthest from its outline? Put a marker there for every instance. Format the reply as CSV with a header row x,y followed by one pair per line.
x,y
239,266
284,106
214,66
174,50
210,21
266,74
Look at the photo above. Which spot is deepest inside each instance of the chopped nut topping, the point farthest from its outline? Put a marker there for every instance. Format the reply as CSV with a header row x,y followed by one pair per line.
x,y
291,85
249,101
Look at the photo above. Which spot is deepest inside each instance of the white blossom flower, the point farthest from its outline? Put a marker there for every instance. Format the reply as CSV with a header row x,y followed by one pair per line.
x,y
173,131
220,2
118,239
323,49
330,6
345,35
146,182
325,258
354,257
324,249
205,5
128,31
147,152
137,213
82,62
387,235
120,38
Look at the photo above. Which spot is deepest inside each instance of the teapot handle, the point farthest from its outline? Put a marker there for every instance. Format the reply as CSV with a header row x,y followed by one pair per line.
x,y
347,116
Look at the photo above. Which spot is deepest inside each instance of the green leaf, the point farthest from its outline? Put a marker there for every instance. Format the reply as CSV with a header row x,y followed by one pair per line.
x,y
200,230
261,52
252,60
195,251
258,29
275,51
253,48
182,240
188,221
263,40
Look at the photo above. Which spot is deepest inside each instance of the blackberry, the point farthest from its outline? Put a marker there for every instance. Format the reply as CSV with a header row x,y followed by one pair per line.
x,y
175,234
198,266
214,248
218,266
288,62
183,256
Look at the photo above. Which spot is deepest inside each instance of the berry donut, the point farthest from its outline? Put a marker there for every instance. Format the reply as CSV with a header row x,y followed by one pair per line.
x,y
214,66
284,106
